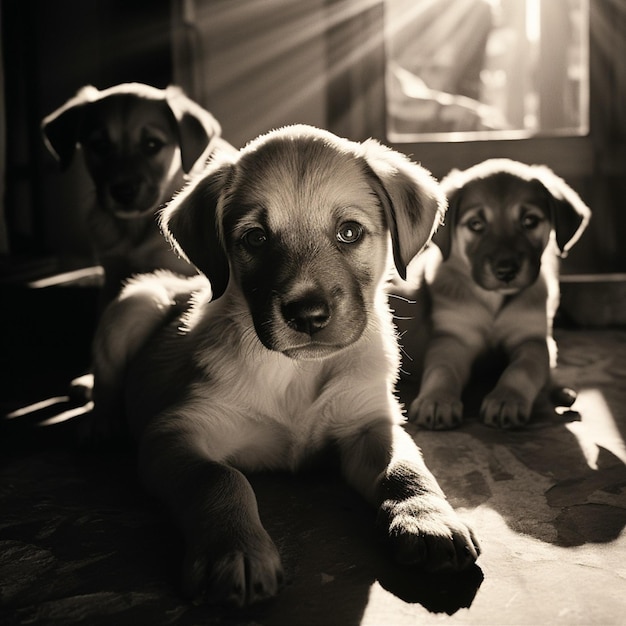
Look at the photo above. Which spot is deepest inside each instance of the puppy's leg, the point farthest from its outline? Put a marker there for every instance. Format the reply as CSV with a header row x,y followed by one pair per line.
x,y
559,393
229,557
447,368
385,465
509,404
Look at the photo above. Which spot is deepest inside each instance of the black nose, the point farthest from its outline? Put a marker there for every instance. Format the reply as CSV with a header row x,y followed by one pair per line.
x,y
506,269
124,192
306,315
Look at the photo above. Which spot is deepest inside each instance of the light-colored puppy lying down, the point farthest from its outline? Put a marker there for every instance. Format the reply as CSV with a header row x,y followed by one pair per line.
x,y
291,349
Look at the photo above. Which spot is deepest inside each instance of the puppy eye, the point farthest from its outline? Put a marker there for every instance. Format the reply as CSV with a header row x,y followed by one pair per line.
x,y
152,145
530,221
476,225
349,232
254,238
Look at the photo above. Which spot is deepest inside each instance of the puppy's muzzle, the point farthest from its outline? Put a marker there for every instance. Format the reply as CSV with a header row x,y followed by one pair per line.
x,y
125,192
129,197
311,323
309,314
505,268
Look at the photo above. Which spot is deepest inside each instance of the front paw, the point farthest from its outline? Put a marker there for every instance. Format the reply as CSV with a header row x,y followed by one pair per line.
x,y
436,411
425,531
506,408
233,574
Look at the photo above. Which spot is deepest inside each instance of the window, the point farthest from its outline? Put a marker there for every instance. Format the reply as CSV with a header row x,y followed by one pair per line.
x,y
465,70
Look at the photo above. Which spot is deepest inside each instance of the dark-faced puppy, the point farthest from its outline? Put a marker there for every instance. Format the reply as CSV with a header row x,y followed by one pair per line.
x,y
496,287
295,353
139,143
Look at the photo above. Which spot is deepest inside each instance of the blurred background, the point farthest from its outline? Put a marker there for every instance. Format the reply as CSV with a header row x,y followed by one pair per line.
x,y
449,82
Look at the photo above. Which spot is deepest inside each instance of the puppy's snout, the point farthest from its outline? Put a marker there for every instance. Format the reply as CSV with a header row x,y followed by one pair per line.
x,y
306,315
506,268
124,192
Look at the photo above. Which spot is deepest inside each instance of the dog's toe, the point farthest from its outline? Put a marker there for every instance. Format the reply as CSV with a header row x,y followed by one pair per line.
x,y
506,409
236,578
426,532
435,413
222,581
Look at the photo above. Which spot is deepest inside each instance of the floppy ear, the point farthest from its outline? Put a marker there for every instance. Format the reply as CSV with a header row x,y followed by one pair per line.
x,y
61,128
190,224
197,128
451,186
411,198
569,213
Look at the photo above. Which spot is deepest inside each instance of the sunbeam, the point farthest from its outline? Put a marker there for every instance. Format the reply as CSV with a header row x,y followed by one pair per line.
x,y
37,406
597,429
65,416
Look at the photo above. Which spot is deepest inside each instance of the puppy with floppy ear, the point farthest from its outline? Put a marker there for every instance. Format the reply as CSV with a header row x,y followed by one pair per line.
x,y
295,353
139,144
496,287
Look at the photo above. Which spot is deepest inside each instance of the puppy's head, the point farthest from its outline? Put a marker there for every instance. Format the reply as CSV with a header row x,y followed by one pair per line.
x,y
298,224
137,142
501,216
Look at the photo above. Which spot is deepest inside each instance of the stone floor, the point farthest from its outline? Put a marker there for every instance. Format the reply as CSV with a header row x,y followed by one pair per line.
x,y
80,543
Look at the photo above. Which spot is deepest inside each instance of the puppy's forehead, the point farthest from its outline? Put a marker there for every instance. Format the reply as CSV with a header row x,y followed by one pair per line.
x,y
502,191
304,180
125,114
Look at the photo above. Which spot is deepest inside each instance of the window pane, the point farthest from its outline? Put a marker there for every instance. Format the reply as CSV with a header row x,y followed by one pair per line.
x,y
485,69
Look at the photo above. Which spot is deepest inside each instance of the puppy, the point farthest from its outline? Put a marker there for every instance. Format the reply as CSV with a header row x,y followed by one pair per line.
x,y
494,286
295,353
139,143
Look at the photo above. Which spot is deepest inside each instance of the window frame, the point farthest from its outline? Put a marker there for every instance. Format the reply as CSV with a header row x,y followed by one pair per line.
x,y
357,104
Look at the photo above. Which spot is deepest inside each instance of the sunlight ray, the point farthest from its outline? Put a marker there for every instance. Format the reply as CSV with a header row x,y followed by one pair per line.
x,y
68,415
37,406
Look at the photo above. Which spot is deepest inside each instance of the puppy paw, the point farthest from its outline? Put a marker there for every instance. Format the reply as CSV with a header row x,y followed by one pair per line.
x,y
425,531
237,576
506,408
436,412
